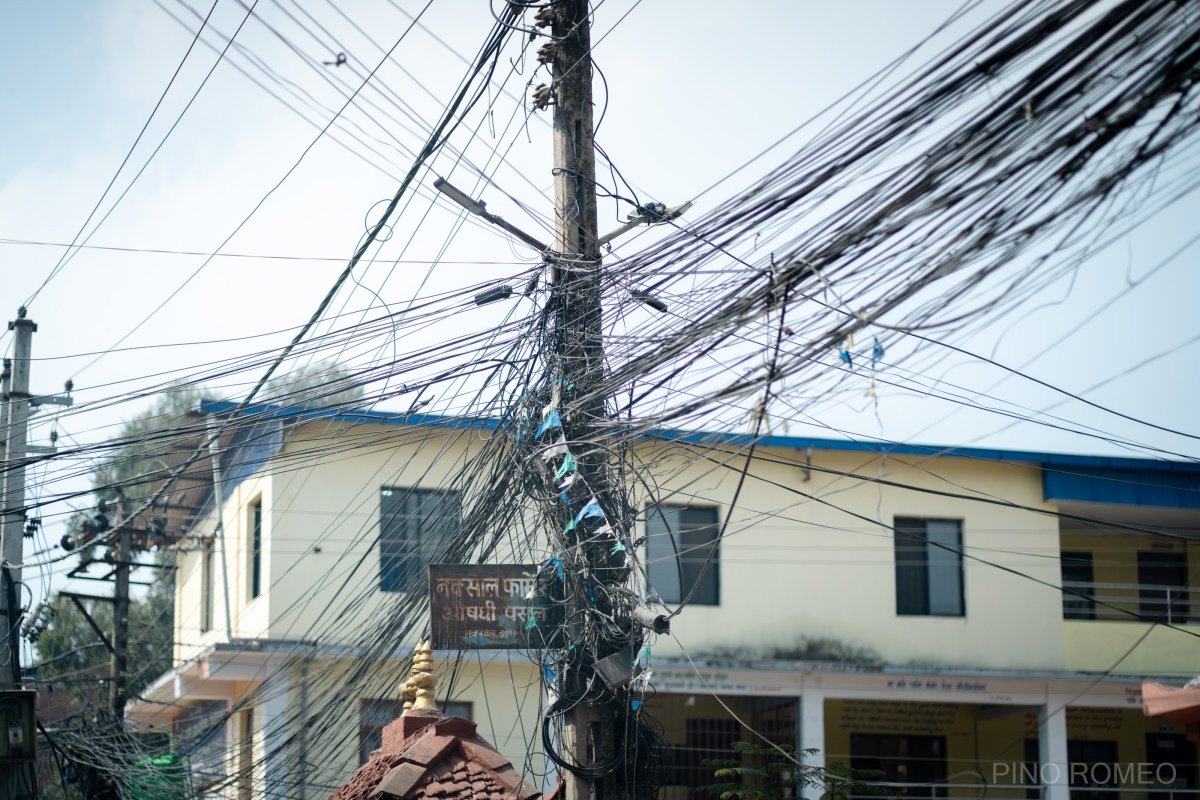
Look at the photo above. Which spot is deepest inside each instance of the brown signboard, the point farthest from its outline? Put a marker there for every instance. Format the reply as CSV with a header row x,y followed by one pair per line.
x,y
480,606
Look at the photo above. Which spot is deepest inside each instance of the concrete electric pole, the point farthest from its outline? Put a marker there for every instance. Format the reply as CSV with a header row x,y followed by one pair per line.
x,y
13,530
576,291
592,680
18,732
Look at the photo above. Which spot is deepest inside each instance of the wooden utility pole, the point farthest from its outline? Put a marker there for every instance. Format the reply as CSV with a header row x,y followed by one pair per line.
x,y
578,332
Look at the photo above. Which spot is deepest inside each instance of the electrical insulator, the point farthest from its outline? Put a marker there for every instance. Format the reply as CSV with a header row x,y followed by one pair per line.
x,y
648,299
493,294
31,619
157,532
541,96
36,622
547,52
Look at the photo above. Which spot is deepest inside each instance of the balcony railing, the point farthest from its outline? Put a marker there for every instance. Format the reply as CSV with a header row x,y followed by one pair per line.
x,y
1122,601
974,791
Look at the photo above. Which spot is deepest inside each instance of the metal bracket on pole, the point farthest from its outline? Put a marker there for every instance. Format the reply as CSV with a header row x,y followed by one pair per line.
x,y
52,400
76,598
646,219
478,208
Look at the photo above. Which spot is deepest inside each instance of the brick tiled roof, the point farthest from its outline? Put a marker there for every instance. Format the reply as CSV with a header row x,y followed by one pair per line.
x,y
426,755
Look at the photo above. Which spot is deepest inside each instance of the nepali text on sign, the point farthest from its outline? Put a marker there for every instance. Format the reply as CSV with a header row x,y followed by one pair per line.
x,y
473,606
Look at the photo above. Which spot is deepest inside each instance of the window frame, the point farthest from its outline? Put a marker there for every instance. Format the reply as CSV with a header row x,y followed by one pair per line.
x,y
254,540
1156,603
914,560
207,600
1075,563
368,733
395,552
925,766
674,557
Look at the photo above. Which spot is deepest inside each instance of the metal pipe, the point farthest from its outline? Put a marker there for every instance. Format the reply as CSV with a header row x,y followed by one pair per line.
x,y
651,621
214,452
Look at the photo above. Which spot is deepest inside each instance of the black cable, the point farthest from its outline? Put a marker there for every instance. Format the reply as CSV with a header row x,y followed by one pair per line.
x,y
57,267
13,621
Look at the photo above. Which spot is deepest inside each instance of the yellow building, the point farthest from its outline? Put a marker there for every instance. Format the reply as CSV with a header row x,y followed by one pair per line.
x,y
970,622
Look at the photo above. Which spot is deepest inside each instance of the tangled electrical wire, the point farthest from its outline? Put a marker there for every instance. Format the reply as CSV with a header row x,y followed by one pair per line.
x,y
958,194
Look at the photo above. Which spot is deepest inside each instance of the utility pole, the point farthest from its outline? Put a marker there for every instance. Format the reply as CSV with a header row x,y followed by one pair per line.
x,y
12,529
575,275
118,670
5,388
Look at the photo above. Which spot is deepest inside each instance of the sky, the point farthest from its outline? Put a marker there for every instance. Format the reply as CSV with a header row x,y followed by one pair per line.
x,y
689,92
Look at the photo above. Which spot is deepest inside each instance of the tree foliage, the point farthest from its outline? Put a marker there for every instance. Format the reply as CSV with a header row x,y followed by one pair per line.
x,y
72,656
322,384
74,660
143,441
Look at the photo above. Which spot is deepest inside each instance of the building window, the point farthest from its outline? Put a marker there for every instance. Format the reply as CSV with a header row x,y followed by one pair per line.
x,y
681,553
459,709
206,586
706,739
256,525
903,758
1163,586
1175,750
375,715
929,574
415,527
1077,575
1091,775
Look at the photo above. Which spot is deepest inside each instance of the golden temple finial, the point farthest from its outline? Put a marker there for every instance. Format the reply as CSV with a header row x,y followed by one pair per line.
x,y
423,680
408,691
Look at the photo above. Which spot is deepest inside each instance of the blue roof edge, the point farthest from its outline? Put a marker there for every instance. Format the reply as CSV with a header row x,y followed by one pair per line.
x,y
1043,459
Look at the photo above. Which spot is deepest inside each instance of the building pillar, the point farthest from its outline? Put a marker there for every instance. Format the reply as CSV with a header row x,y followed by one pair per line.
x,y
272,735
812,734
1054,771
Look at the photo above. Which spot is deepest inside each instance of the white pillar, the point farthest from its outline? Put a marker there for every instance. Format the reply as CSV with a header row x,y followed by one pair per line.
x,y
812,733
1054,771
272,735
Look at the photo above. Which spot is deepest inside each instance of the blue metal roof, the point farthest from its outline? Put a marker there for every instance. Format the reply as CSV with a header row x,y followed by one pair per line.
x,y
1129,487
1093,479
983,453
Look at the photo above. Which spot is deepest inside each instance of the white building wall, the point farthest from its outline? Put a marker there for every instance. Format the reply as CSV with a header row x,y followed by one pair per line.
x,y
794,567
807,555
830,574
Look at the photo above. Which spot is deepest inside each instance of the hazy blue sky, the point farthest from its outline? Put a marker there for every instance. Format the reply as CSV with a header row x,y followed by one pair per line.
x,y
693,90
